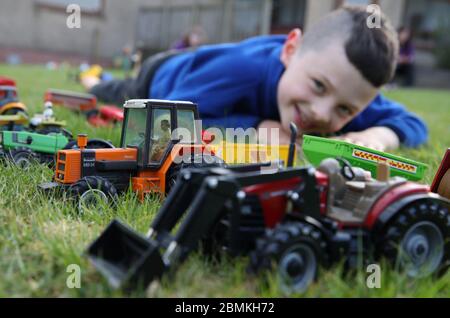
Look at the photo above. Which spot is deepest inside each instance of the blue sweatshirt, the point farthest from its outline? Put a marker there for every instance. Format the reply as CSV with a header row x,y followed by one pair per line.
x,y
235,85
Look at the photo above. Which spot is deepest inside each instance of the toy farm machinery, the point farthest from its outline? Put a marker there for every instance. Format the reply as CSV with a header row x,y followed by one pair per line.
x,y
296,218
149,157
24,141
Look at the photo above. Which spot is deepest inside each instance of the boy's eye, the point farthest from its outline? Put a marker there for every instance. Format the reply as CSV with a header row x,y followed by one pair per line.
x,y
344,110
319,86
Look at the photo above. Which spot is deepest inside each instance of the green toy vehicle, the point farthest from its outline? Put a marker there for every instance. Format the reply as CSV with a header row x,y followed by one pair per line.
x,y
24,147
40,141
317,149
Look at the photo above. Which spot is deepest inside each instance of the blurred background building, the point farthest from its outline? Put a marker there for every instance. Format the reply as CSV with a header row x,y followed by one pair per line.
x,y
36,31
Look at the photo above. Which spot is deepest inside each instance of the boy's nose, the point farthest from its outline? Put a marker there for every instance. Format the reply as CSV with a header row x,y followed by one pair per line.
x,y
321,114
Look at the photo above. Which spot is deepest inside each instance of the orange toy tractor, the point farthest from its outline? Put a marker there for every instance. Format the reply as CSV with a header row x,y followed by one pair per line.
x,y
148,155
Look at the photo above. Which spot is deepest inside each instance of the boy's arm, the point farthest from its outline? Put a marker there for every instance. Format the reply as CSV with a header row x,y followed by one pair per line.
x,y
385,124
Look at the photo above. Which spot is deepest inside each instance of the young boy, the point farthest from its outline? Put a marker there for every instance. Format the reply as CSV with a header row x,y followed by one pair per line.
x,y
325,81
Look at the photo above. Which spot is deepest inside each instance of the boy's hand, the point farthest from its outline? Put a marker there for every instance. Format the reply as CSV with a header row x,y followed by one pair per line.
x,y
378,138
269,125
89,81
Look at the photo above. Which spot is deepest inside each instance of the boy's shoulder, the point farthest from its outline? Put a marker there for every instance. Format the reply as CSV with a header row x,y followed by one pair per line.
x,y
251,54
264,40
254,46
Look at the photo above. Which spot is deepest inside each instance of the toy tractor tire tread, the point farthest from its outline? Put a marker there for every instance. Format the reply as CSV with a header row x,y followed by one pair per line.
x,y
273,248
86,184
23,153
92,113
426,213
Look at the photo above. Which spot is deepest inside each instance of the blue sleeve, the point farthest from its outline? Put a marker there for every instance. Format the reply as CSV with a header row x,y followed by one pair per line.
x,y
232,121
221,86
410,129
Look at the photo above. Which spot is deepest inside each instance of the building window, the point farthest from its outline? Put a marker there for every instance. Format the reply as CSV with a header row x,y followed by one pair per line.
x,y
425,18
358,2
339,3
287,14
87,6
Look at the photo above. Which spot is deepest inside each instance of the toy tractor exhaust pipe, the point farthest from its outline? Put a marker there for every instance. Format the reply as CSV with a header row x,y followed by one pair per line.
x,y
294,132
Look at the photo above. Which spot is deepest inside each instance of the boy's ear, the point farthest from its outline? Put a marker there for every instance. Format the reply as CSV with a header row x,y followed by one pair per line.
x,y
290,46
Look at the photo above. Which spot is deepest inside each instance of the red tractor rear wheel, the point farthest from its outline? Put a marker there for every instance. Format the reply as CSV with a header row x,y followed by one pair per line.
x,y
416,240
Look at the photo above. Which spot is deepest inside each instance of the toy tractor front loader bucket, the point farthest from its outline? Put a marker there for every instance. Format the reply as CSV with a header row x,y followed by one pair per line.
x,y
126,258
129,260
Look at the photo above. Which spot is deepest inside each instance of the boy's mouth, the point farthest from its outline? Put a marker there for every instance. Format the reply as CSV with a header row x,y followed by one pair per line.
x,y
299,120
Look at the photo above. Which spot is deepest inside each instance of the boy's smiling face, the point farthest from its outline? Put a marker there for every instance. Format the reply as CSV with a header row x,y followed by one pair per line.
x,y
320,90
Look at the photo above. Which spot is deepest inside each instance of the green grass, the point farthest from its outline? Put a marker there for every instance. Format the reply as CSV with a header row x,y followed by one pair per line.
x,y
40,237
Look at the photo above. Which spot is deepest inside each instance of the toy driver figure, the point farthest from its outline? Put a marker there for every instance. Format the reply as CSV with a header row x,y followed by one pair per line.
x,y
48,111
45,116
160,144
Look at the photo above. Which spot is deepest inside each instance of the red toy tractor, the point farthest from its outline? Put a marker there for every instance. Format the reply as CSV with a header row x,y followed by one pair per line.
x,y
87,104
297,218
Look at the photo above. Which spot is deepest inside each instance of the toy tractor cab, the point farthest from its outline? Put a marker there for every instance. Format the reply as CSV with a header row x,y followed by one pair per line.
x,y
148,157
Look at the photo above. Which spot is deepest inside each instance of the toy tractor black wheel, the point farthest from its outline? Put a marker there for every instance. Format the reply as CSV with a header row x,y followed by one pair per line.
x,y
296,250
98,144
23,157
90,192
92,113
416,240
196,161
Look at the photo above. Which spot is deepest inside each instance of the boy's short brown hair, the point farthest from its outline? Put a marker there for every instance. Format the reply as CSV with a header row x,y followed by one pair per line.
x,y
372,50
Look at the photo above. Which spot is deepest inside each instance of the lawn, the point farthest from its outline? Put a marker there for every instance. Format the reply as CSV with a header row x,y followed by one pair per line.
x,y
41,237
